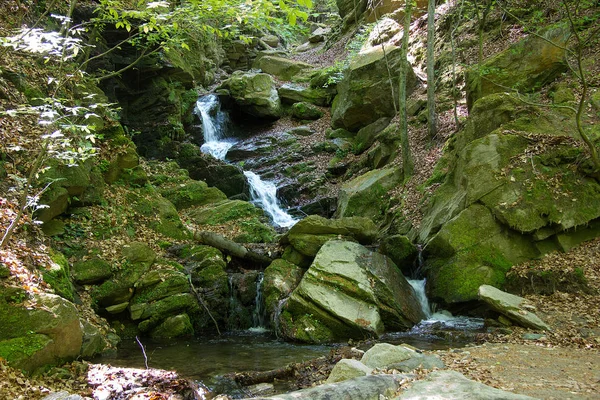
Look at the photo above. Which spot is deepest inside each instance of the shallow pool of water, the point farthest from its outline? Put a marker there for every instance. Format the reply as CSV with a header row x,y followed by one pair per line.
x,y
204,358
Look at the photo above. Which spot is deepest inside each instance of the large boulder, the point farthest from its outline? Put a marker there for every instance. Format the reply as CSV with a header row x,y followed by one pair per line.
x,y
367,92
366,195
308,235
193,193
294,93
349,292
280,279
45,330
254,93
471,250
282,68
514,307
526,65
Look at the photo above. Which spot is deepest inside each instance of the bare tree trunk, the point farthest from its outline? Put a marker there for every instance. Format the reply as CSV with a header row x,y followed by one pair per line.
x,y
431,123
407,161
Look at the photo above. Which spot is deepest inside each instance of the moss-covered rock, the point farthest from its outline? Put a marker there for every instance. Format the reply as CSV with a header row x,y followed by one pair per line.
x,y
366,195
349,292
163,215
306,111
471,250
58,276
255,231
90,271
526,65
401,251
124,157
283,68
194,193
293,93
254,93
365,94
173,327
280,279
224,211
309,245
365,137
47,331
158,284
360,228
295,257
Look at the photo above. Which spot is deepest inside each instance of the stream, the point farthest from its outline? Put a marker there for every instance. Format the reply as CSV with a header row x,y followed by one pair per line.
x,y
257,349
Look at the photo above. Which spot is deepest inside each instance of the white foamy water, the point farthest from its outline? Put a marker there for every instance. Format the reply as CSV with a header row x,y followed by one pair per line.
x,y
264,194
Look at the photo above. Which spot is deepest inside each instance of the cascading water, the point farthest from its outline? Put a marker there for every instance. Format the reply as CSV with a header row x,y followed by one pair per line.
x,y
258,314
263,193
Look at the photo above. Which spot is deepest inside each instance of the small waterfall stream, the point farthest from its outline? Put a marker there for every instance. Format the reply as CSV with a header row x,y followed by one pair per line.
x,y
216,144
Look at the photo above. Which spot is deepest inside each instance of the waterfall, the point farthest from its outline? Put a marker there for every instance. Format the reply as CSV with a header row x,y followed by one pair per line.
x,y
418,286
214,142
264,194
258,314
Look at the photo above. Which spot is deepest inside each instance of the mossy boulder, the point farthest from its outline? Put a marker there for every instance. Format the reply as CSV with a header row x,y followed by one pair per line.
x,y
366,136
162,214
91,271
349,292
58,276
194,193
365,93
253,230
309,245
471,250
526,65
46,331
401,251
254,93
295,257
157,284
366,195
280,279
125,157
224,211
306,111
173,327
282,68
294,93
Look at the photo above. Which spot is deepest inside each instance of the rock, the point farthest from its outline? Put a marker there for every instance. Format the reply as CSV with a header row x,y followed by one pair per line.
x,y
54,227
452,385
280,279
306,111
139,253
157,284
382,355
348,369
162,216
301,131
365,94
319,35
418,360
223,212
217,173
366,195
195,193
471,250
295,257
365,137
63,395
514,307
270,40
173,327
401,251
282,68
94,342
309,245
254,93
360,228
47,331
526,65
351,10
306,47
230,247
349,292
293,93
58,276
90,271
372,387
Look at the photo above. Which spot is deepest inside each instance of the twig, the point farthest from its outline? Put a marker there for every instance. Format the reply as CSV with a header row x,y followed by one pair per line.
x,y
143,351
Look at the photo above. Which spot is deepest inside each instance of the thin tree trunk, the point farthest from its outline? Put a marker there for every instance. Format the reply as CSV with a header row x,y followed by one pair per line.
x,y
407,162
431,123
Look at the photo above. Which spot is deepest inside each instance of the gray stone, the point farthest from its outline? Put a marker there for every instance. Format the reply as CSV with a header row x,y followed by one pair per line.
x,y
63,396
382,355
319,35
255,94
423,361
451,385
365,92
270,40
348,369
91,271
514,307
370,387
293,93
360,228
283,68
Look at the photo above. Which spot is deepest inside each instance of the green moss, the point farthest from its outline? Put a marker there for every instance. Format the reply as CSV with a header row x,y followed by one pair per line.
x,y
254,231
23,347
195,193
306,329
225,211
58,276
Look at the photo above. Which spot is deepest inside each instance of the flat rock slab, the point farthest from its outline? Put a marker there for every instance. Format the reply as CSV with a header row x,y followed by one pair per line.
x,y
452,385
363,388
513,307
